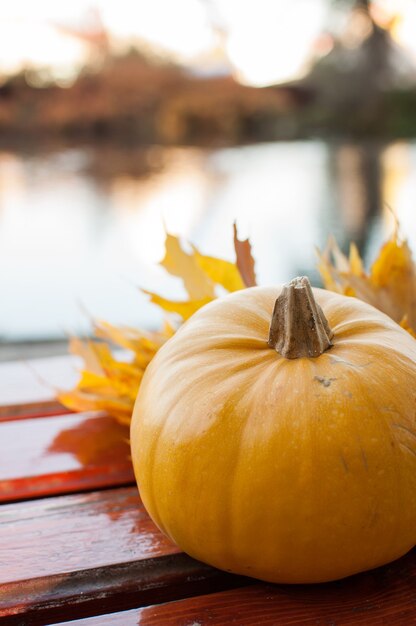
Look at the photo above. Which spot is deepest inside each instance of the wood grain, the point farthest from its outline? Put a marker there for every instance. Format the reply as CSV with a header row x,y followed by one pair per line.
x,y
383,596
62,454
79,555
69,533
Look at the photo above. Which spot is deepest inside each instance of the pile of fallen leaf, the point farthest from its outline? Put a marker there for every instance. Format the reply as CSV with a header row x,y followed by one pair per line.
x,y
109,383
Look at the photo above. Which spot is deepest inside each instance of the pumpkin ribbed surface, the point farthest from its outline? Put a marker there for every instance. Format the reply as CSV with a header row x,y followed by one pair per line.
x,y
288,470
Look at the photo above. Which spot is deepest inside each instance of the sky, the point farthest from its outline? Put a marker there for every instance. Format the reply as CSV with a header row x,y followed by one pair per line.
x,y
266,40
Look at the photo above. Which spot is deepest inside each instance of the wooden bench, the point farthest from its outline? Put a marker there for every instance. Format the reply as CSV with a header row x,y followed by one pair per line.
x,y
76,545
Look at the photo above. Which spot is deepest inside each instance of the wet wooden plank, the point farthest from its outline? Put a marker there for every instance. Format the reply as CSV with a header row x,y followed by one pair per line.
x,y
27,388
70,556
62,454
383,596
58,535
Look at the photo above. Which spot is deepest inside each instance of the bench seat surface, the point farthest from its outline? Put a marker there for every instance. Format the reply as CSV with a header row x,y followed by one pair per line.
x,y
77,547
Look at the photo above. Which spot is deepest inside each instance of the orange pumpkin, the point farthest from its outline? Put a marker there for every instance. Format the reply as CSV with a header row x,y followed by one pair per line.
x,y
283,451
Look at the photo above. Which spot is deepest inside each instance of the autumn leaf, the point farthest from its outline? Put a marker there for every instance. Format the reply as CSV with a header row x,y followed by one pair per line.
x,y
109,380
184,308
245,261
77,400
85,350
185,266
390,285
221,272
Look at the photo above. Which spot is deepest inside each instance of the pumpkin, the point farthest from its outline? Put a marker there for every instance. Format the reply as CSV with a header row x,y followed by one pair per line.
x,y
274,435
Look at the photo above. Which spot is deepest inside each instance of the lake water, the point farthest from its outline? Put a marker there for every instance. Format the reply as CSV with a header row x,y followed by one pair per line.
x,y
82,229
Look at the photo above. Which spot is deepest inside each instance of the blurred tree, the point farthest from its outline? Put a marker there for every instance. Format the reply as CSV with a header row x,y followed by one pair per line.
x,y
349,86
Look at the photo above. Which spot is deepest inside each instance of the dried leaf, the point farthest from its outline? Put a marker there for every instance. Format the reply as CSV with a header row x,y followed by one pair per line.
x,y
80,401
355,260
184,308
143,345
389,286
221,272
245,261
179,263
84,349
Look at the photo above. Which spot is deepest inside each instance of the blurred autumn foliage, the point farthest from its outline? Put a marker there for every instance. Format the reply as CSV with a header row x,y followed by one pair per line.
x,y
134,98
357,82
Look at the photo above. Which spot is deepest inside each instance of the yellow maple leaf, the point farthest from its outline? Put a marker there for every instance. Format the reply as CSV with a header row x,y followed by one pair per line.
x,y
390,285
81,401
185,266
221,272
183,308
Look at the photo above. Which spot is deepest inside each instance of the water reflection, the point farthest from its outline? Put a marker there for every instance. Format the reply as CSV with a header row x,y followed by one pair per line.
x,y
88,224
357,178
94,441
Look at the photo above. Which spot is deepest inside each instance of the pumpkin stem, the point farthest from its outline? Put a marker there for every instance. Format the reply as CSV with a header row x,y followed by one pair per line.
x,y
299,326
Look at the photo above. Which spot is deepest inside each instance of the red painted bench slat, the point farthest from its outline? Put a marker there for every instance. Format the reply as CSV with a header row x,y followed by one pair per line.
x,y
62,454
90,553
383,596
76,532
32,409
